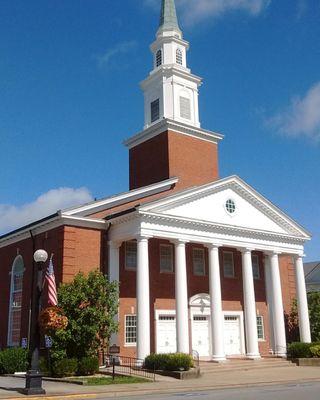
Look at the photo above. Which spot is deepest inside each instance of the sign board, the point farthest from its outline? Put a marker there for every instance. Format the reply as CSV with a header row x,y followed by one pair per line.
x,y
24,343
114,349
48,342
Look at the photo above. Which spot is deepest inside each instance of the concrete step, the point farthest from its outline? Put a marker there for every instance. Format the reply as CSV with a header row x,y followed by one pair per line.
x,y
243,365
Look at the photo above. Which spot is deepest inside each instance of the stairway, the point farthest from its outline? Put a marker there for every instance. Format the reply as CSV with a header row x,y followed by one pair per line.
x,y
232,365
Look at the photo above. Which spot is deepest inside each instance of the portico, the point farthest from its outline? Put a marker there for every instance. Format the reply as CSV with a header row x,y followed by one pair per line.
x,y
156,220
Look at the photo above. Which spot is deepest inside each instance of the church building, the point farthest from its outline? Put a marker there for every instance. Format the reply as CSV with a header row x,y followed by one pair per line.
x,y
205,263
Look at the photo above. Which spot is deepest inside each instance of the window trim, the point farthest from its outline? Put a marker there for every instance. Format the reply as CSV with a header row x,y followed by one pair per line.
x,y
233,265
262,326
129,344
167,245
204,261
125,257
13,308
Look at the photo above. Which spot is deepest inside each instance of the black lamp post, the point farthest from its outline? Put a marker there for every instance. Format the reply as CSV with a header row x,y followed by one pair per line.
x,y
34,376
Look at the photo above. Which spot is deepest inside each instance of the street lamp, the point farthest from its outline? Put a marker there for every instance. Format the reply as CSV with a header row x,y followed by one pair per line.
x,y
33,377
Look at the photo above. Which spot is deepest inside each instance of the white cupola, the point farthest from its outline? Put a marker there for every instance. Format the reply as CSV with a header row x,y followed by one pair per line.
x,y
170,91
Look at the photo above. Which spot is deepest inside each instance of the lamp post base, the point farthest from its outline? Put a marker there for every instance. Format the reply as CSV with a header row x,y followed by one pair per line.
x,y
33,384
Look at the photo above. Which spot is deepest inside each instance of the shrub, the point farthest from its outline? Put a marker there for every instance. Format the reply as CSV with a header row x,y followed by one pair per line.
x,y
169,362
44,367
88,366
300,350
64,368
315,351
13,360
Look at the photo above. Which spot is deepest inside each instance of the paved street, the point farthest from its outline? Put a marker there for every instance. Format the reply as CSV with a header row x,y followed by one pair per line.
x,y
306,391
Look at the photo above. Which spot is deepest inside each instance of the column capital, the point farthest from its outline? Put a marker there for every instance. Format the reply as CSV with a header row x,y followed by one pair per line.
x,y
297,256
272,253
247,249
114,244
143,238
213,245
178,242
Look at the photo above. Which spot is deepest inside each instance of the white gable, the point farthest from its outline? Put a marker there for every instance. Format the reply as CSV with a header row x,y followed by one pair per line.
x,y
208,204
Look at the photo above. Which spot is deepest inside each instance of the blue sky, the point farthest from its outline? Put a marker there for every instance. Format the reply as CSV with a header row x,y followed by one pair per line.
x,y
69,95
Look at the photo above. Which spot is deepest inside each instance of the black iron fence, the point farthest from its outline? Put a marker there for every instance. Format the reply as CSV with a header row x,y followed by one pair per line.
x,y
117,365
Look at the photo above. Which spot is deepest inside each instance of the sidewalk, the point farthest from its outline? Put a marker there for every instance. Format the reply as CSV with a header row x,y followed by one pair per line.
x,y
9,387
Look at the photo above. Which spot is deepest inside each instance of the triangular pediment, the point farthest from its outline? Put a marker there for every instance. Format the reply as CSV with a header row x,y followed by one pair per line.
x,y
209,204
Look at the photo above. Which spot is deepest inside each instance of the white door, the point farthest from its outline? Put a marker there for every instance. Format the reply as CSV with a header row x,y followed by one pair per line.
x,y
166,334
200,335
232,340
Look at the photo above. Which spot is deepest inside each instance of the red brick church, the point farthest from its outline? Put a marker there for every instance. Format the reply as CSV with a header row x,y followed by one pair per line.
x,y
205,263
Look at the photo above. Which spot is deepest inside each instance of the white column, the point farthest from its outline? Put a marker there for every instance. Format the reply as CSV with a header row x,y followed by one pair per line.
x,y
277,304
113,276
143,299
181,291
267,277
250,313
303,311
216,317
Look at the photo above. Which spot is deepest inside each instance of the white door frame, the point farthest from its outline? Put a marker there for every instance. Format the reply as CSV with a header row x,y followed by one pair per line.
x,y
157,313
238,314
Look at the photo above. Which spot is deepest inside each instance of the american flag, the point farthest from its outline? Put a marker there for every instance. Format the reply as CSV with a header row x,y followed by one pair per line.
x,y
52,288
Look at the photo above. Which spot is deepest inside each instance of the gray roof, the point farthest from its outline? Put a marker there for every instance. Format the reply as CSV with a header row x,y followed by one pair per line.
x,y
310,268
168,17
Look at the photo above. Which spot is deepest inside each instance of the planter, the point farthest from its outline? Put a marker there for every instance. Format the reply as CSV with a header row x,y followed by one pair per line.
x,y
307,362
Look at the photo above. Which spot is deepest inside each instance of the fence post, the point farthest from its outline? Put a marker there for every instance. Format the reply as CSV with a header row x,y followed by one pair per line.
x,y
113,368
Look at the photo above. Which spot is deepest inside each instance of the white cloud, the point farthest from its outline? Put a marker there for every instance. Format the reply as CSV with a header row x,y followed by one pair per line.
x,y
193,11
12,217
301,117
105,60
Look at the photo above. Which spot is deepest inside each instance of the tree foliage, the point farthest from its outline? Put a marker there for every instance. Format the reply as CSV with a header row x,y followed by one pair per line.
x,y
314,314
90,303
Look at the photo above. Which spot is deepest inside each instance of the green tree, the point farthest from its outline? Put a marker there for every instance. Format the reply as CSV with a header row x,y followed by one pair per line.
x,y
314,313
90,303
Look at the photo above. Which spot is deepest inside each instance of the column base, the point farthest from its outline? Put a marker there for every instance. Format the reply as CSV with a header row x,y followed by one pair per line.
x,y
218,359
280,355
33,384
253,356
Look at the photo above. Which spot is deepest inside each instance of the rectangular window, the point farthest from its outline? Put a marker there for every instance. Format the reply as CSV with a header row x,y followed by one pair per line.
x,y
198,260
131,255
166,258
255,266
155,110
185,108
260,327
228,264
131,329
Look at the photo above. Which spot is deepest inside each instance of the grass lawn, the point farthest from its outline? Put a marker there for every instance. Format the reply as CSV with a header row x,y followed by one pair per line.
x,y
105,380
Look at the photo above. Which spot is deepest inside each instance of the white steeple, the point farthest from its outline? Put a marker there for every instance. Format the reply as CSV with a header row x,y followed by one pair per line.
x,y
171,90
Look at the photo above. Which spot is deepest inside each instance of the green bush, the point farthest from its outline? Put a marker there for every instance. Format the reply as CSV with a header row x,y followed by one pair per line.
x,y
65,367
315,351
88,366
44,367
300,350
13,360
169,362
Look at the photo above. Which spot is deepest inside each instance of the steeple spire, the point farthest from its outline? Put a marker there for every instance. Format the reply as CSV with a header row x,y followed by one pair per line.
x,y
168,17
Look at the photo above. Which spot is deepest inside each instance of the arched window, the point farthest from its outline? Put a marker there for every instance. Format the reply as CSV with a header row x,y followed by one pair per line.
x,y
15,302
159,58
179,57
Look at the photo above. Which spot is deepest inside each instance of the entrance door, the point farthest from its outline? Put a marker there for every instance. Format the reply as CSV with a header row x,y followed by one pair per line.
x,y
232,341
166,334
200,335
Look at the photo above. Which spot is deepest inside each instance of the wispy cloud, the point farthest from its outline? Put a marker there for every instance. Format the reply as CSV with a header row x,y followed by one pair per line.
x,y
301,117
193,11
12,216
112,54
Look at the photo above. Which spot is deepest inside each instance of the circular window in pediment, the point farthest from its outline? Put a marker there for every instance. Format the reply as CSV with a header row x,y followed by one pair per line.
x,y
230,206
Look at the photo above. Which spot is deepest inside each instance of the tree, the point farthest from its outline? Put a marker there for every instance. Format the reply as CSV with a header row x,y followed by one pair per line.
x,y
90,303
314,314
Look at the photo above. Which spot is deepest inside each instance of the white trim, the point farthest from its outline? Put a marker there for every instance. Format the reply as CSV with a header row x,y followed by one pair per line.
x,y
238,314
177,127
133,344
121,198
